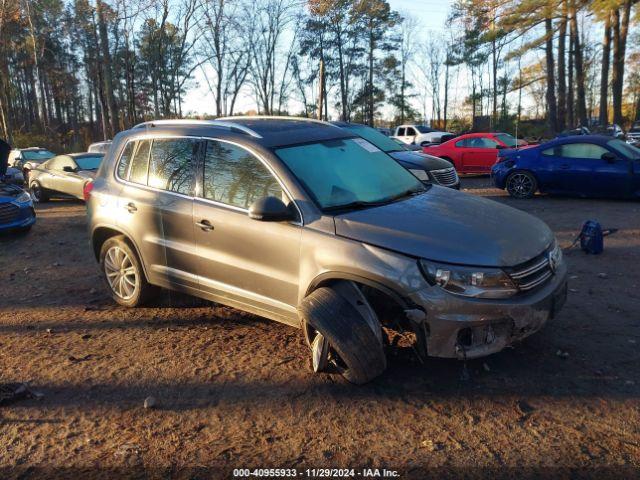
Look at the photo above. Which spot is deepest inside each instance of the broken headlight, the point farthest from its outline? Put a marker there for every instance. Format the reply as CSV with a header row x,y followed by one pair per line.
x,y
475,282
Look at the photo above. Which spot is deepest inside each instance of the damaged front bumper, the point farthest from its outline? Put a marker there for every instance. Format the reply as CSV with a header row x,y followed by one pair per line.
x,y
463,327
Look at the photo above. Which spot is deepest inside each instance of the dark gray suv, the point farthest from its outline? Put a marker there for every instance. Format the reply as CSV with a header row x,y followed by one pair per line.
x,y
305,223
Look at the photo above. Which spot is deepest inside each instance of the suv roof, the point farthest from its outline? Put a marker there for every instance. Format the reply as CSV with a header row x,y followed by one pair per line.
x,y
266,131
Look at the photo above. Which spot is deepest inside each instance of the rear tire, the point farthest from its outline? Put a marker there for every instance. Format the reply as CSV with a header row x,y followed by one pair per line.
x,y
38,193
521,184
123,273
355,350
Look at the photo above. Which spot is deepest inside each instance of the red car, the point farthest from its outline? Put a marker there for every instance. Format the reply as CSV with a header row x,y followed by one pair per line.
x,y
474,152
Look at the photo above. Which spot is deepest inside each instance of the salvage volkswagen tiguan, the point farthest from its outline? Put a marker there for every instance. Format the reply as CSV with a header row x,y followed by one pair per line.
x,y
304,223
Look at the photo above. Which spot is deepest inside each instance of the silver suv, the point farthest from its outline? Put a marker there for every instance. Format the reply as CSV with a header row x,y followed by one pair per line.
x,y
305,223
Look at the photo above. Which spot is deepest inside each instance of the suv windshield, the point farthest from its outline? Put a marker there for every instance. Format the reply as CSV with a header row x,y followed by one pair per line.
x,y
89,163
423,129
507,139
380,140
629,151
348,173
40,155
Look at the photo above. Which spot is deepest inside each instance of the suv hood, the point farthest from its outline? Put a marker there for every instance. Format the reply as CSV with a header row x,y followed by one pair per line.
x,y
448,226
421,160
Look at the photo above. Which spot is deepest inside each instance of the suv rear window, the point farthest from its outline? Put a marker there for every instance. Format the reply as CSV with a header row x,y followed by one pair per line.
x,y
140,163
125,160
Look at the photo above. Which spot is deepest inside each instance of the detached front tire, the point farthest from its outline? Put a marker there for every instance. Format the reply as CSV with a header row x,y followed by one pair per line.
x,y
123,273
341,337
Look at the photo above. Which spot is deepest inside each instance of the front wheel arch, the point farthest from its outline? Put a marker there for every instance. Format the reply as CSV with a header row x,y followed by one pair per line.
x,y
328,278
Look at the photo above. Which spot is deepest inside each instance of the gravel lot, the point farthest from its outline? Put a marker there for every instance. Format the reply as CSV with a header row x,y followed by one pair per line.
x,y
236,391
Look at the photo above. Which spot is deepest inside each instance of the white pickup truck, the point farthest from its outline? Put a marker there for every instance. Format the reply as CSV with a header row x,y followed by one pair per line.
x,y
418,134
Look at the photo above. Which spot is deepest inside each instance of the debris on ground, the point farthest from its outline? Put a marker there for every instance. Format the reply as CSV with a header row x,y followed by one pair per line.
x,y
127,449
603,275
524,407
562,354
13,392
150,402
80,359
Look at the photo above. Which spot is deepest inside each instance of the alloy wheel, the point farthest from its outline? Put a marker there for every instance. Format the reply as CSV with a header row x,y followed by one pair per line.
x,y
520,185
121,273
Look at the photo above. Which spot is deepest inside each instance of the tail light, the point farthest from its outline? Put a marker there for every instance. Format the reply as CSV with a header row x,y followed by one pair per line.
x,y
86,191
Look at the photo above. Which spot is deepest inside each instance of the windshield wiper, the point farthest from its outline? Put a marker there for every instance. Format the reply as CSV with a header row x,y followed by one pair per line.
x,y
353,205
362,204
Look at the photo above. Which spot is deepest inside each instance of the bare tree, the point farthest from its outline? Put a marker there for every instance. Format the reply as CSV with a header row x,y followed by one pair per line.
x,y
271,18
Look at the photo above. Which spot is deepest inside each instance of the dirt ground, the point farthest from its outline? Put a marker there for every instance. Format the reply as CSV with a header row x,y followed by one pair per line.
x,y
236,391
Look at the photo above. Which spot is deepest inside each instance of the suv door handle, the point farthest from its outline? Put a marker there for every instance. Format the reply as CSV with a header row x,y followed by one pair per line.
x,y
205,225
131,207
564,167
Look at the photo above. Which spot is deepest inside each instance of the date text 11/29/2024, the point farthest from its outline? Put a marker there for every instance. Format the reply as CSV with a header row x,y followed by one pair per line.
x,y
315,473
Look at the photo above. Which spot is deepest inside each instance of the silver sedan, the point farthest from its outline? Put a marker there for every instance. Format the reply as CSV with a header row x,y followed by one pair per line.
x,y
64,175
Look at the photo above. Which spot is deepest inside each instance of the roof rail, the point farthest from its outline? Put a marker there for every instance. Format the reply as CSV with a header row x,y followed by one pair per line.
x,y
213,123
275,117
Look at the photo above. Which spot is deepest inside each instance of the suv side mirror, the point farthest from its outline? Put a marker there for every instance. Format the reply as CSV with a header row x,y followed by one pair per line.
x,y
270,209
68,169
608,157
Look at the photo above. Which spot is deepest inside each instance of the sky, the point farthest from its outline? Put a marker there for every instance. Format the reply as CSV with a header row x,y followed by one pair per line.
x,y
431,14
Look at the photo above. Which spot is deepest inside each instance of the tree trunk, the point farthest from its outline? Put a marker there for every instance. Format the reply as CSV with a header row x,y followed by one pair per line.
x,y
620,30
106,65
604,76
571,117
446,94
344,99
370,106
579,64
551,80
562,80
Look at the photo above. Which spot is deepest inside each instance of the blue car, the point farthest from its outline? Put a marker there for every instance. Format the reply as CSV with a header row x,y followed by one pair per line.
x,y
16,208
584,166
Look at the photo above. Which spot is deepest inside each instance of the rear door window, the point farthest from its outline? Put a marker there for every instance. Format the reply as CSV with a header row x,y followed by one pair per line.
x,y
140,163
234,176
171,165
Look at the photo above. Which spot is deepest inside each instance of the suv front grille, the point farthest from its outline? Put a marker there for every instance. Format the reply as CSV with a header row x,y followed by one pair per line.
x,y
445,176
9,213
532,274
